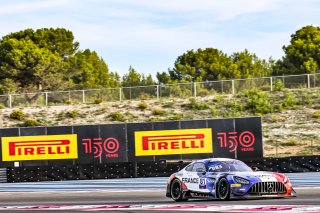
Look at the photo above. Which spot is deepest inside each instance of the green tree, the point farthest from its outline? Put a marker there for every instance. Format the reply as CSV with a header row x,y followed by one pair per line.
x,y
90,71
247,65
133,78
212,64
163,78
200,65
302,55
35,60
30,67
49,59
59,40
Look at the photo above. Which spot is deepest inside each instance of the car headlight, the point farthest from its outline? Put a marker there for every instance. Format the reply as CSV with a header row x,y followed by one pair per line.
x,y
285,180
241,180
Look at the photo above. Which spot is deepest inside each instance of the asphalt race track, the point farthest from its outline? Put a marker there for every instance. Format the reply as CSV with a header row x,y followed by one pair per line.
x,y
134,195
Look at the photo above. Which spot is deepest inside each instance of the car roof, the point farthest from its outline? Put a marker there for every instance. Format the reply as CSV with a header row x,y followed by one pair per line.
x,y
215,159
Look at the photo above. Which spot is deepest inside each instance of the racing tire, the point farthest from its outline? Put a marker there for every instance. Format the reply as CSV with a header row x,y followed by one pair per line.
x,y
176,191
223,189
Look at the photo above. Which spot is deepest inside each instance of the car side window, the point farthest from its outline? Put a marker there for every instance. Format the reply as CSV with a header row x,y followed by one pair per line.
x,y
198,166
189,167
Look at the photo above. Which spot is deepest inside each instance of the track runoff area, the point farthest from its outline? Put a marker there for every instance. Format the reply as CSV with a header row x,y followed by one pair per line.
x,y
147,194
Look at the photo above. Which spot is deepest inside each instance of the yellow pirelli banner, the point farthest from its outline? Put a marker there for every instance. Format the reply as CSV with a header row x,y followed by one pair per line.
x,y
173,142
40,147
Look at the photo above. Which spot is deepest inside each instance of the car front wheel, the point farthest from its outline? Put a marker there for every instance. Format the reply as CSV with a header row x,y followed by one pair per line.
x,y
223,189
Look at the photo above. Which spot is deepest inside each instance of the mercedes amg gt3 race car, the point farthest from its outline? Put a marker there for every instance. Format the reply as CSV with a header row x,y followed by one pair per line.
x,y
223,178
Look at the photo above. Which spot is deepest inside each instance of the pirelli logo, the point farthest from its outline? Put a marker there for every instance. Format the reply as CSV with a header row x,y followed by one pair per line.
x,y
44,147
171,142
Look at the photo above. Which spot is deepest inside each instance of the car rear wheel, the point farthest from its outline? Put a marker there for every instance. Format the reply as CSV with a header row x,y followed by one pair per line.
x,y
176,190
223,189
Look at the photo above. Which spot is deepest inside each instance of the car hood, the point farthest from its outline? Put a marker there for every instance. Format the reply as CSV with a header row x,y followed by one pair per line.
x,y
262,176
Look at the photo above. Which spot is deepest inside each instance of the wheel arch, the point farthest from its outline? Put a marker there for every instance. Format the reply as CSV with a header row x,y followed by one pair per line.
x,y
184,190
217,182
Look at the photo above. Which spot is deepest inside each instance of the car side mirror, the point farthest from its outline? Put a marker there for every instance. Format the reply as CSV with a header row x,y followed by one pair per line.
x,y
254,168
180,164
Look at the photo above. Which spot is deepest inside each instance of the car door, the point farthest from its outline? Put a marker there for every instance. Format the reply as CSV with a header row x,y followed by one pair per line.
x,y
213,170
199,177
187,178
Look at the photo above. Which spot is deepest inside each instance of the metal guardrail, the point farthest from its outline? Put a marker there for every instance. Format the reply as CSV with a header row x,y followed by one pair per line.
x,y
181,90
3,175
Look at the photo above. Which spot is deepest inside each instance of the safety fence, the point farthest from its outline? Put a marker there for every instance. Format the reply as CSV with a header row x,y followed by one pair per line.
x,y
181,90
147,169
287,164
100,171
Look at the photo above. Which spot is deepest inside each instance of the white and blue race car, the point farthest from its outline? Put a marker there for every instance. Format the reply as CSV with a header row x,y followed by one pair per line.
x,y
224,178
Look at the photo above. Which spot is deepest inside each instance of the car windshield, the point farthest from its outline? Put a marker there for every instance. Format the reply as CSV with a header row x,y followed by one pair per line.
x,y
228,166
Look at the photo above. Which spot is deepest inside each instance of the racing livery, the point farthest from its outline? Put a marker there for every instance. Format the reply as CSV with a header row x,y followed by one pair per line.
x,y
224,178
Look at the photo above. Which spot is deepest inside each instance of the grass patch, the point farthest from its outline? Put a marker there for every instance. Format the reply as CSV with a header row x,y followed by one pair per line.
x,y
169,104
316,114
116,116
194,105
158,111
214,112
289,100
176,117
289,143
61,116
73,113
98,101
142,105
31,122
258,101
306,99
17,115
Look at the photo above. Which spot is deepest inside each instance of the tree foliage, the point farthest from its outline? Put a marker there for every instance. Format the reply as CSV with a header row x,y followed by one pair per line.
x,y
133,78
49,59
247,65
59,40
212,64
28,67
302,55
90,71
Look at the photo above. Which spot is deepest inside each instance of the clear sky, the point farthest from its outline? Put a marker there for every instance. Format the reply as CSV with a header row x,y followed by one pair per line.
x,y
149,35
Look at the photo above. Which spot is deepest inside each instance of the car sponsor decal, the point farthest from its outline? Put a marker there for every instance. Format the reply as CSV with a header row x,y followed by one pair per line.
x,y
234,185
171,142
215,168
266,177
202,183
190,180
211,180
44,147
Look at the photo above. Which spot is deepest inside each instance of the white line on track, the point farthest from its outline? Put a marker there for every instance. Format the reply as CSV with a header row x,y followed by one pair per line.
x,y
299,180
183,207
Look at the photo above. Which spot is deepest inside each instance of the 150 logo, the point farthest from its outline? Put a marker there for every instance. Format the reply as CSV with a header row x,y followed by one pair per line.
x,y
231,140
168,142
98,146
41,147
